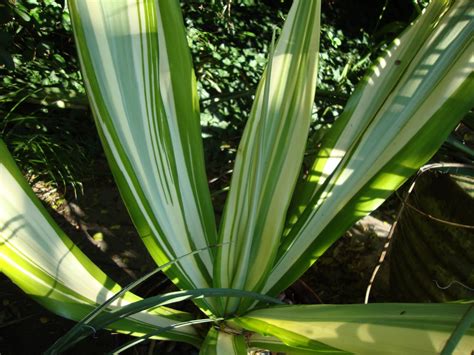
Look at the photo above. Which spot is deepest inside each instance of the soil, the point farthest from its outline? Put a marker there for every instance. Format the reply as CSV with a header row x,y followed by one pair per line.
x,y
98,222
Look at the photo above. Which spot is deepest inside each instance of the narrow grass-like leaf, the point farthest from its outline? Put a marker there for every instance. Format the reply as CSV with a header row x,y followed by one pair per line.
x,y
220,342
396,121
270,155
71,335
104,320
174,297
139,78
37,256
364,329
137,341
461,329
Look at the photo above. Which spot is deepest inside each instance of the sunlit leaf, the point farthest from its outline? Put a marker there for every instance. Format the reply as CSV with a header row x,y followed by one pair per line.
x,y
139,78
270,155
363,329
37,256
394,123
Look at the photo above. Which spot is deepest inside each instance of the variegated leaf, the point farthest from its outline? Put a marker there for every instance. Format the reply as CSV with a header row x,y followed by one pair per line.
x,y
270,155
140,82
393,124
363,329
37,256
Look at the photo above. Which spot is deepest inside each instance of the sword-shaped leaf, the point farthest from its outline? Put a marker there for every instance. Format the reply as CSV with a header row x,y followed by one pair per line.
x,y
363,329
140,81
392,125
270,155
37,256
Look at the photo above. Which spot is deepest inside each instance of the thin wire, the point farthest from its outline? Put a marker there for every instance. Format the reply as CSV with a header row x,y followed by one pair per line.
x,y
451,283
405,203
383,254
94,331
454,224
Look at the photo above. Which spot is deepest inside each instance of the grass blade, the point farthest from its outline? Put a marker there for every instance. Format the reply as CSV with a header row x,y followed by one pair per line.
x,y
178,296
104,320
71,334
137,341
461,329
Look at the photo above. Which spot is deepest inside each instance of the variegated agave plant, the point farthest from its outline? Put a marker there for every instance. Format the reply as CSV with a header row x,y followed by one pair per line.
x,y
141,86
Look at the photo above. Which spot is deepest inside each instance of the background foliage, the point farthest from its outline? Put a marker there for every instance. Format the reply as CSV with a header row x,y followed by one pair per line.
x,y
44,115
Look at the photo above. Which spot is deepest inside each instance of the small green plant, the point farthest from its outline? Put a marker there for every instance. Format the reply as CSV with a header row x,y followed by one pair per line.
x,y
41,89
139,77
